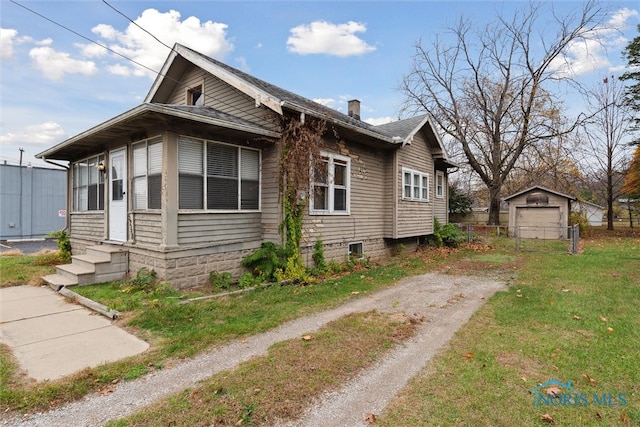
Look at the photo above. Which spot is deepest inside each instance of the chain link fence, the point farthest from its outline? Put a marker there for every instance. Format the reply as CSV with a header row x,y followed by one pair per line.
x,y
530,238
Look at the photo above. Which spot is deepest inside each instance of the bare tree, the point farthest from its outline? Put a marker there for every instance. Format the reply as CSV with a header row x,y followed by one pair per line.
x,y
490,89
607,135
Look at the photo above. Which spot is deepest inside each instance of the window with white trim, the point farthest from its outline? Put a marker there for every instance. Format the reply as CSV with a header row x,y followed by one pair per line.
x,y
216,176
88,185
415,185
330,189
146,160
439,184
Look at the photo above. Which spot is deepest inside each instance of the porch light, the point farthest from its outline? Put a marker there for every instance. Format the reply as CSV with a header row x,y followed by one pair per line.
x,y
101,167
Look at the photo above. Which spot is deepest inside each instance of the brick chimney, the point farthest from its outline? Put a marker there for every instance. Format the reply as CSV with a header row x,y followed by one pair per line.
x,y
354,109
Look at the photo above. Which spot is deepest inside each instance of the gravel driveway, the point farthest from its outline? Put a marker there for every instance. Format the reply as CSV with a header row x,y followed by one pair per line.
x,y
445,301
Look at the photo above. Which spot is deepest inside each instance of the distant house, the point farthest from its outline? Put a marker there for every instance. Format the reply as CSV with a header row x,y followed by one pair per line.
x,y
589,210
32,201
188,181
538,212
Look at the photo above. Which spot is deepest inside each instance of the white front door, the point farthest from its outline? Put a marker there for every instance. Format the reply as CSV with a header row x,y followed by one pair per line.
x,y
118,195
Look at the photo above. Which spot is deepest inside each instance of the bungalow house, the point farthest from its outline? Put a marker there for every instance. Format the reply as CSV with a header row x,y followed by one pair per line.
x,y
188,182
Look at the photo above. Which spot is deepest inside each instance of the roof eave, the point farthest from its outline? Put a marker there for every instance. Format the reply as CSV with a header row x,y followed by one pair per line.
x,y
144,108
320,115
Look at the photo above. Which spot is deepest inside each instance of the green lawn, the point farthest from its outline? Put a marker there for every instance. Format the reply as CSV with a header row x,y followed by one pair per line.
x,y
569,318
565,317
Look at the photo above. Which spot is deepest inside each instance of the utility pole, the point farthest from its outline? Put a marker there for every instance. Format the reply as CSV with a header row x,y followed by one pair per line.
x,y
21,151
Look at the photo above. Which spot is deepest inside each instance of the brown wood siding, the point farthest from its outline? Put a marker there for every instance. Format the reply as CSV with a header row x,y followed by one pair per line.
x,y
368,201
219,228
270,199
89,226
222,97
146,227
415,218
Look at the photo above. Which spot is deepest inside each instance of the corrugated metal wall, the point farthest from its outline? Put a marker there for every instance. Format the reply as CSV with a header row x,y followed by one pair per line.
x,y
31,201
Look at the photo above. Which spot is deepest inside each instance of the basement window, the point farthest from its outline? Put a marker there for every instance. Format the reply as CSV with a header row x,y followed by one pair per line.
x,y
355,250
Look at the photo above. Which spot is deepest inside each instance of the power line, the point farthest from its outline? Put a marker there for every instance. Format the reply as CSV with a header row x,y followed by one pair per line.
x,y
158,73
139,26
84,37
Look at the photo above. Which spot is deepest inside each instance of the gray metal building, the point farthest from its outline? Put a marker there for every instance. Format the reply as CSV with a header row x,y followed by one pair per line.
x,y
32,201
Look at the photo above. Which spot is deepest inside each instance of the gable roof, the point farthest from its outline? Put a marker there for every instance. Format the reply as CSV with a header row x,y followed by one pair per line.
x,y
538,188
278,99
398,133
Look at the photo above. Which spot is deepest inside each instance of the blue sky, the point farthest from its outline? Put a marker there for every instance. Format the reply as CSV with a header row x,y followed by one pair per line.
x,y
55,84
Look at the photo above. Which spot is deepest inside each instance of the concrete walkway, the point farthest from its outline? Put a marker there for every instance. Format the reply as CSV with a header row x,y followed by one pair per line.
x,y
52,338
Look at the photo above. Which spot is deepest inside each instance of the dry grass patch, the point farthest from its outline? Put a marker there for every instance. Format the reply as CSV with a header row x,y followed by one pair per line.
x,y
280,385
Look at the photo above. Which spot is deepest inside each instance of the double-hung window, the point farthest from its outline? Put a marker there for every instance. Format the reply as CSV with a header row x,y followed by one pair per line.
x,y
439,184
415,185
147,174
88,185
330,189
217,176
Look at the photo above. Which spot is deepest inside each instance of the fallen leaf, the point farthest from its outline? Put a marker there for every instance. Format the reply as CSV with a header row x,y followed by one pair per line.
x,y
469,356
244,341
306,338
524,379
548,418
598,415
566,290
625,418
555,368
551,302
592,382
553,355
554,390
370,418
576,317
519,295
609,329
481,296
355,293
604,319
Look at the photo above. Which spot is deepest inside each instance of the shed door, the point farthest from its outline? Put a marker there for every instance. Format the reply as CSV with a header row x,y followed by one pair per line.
x,y
117,195
538,222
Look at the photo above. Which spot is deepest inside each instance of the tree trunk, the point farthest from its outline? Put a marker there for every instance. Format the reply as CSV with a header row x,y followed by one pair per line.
x,y
494,205
609,192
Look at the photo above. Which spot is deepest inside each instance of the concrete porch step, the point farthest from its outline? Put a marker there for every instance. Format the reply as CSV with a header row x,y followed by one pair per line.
x,y
100,263
58,281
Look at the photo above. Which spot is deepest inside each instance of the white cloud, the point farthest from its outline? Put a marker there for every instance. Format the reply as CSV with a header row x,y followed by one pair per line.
x,y
207,37
619,19
54,65
91,50
321,37
327,102
45,42
591,54
380,120
47,133
7,39
242,64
